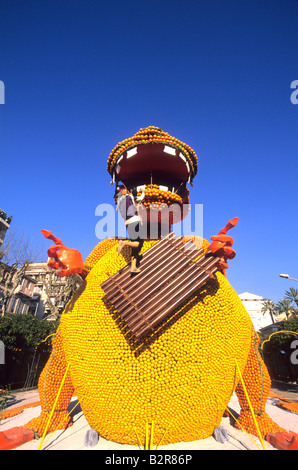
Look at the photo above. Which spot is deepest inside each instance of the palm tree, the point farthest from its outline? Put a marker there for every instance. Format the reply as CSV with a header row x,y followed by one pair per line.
x,y
285,306
292,295
269,307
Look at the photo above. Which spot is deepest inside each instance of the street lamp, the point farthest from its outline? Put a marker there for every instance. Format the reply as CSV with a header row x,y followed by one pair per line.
x,y
286,276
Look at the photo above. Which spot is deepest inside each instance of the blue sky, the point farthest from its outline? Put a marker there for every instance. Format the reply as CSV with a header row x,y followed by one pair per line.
x,y
81,76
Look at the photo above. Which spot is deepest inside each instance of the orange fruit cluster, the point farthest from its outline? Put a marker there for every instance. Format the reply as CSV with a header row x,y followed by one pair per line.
x,y
288,405
152,135
155,195
17,410
181,377
48,385
258,391
157,201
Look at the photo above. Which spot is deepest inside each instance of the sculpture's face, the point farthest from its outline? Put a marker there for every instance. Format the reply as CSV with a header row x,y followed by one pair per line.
x,y
157,165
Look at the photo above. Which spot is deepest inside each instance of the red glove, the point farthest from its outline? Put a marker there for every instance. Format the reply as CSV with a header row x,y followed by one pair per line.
x,y
67,260
221,244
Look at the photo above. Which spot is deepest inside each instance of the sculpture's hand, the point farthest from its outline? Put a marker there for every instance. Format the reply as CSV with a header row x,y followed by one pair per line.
x,y
67,261
221,244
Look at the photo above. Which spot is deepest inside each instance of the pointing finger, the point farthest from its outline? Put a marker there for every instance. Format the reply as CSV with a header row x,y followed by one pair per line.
x,y
53,264
229,225
48,234
52,251
229,253
223,238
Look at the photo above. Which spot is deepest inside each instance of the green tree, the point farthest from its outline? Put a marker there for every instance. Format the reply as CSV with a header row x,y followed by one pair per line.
x,y
24,331
291,324
292,295
269,307
285,306
281,341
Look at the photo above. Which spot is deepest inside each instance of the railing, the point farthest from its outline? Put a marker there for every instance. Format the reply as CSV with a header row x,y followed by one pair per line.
x,y
24,291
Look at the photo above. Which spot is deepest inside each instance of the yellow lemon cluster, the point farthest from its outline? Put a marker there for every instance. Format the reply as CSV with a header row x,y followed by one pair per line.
x,y
181,377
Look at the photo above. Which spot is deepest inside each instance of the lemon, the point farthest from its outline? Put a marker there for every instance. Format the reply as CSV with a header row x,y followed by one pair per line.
x,y
181,377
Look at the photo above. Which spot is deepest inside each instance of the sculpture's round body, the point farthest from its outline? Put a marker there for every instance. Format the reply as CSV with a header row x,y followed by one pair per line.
x,y
176,383
180,379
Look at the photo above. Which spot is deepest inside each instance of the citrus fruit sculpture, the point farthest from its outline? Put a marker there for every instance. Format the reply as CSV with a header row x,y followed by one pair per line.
x,y
180,378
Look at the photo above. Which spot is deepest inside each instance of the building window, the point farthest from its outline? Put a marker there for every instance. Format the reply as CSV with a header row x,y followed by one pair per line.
x,y
11,304
18,306
32,308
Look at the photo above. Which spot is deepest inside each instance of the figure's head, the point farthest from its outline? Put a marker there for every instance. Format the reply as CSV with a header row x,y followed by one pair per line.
x,y
158,164
120,191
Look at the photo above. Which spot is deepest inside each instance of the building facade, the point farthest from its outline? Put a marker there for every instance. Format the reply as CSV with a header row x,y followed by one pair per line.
x,y
254,304
39,291
17,293
23,301
49,292
32,289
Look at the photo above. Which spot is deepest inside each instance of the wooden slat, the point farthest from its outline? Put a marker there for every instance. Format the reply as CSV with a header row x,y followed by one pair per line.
x,y
146,268
171,272
153,323
168,251
147,323
148,256
168,293
182,269
152,283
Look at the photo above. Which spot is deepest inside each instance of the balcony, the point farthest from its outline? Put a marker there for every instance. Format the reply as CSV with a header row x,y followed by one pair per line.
x,y
24,291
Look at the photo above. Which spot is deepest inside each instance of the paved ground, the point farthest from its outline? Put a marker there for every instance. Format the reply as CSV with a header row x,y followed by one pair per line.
x,y
73,438
285,390
18,398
